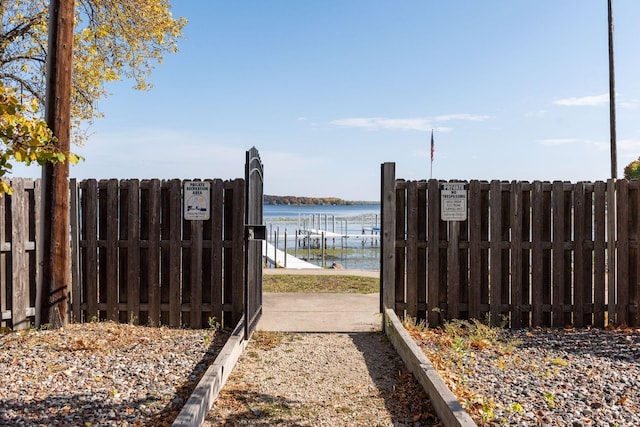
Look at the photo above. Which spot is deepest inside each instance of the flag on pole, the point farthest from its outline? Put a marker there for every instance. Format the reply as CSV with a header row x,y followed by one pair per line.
x,y
433,147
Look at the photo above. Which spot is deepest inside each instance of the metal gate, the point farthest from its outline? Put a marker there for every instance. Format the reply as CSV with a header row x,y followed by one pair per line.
x,y
254,235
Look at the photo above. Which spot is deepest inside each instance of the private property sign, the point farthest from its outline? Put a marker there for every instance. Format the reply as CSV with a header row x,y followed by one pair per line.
x,y
453,201
197,196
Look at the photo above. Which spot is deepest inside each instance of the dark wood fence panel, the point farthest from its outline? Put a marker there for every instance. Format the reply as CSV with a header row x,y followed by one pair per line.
x,y
134,256
530,254
141,262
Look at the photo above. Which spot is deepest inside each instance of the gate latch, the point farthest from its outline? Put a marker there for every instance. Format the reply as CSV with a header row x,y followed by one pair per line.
x,y
255,232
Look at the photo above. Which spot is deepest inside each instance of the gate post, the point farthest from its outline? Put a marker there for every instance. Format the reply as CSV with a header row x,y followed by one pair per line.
x,y
388,231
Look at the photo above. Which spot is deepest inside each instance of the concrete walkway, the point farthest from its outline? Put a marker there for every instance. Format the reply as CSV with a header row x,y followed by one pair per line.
x,y
327,312
320,312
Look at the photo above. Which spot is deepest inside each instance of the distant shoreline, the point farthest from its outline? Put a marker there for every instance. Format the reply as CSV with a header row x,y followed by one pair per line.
x,y
313,201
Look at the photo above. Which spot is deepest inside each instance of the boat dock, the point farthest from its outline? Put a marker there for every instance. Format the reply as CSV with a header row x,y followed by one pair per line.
x,y
276,257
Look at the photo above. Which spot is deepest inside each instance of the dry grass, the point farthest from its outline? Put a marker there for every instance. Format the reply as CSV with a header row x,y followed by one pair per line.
x,y
320,284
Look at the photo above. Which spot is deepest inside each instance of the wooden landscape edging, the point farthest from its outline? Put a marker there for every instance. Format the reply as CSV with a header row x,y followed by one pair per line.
x,y
445,403
195,410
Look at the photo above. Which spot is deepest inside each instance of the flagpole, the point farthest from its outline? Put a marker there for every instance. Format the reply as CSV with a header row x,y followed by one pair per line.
x,y
432,152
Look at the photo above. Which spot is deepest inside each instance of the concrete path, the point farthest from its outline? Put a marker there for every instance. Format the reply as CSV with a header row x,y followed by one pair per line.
x,y
326,312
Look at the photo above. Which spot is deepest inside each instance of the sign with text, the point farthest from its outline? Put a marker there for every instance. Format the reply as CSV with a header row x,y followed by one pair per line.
x,y
197,197
453,201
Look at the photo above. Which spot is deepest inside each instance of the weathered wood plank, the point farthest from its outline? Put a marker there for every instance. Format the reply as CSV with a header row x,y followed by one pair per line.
x,y
558,254
422,266
174,187
634,253
74,225
401,249
89,239
5,247
599,255
453,272
133,250
19,256
517,282
475,253
238,246
580,237
495,250
217,250
612,282
434,315
195,299
153,252
537,266
622,193
412,249
112,240
387,250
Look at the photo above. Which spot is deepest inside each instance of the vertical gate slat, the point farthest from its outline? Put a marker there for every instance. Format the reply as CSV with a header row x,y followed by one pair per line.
x,y
558,254
133,250
74,223
580,238
401,250
175,252
217,239
388,234
412,249
89,203
599,260
536,254
475,252
517,283
634,253
237,242
453,272
495,251
195,299
4,246
433,253
19,256
422,250
588,253
623,223
112,250
567,253
153,252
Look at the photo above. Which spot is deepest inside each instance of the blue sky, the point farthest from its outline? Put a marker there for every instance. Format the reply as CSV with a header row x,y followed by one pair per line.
x,y
328,90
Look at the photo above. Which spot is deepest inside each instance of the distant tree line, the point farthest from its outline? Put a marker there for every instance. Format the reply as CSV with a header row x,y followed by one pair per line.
x,y
294,200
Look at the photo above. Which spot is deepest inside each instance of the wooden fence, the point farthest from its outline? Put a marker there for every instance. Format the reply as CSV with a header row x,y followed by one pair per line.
x,y
135,259
533,254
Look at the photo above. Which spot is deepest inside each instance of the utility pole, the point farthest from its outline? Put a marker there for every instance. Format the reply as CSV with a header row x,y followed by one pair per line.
x,y
55,177
612,98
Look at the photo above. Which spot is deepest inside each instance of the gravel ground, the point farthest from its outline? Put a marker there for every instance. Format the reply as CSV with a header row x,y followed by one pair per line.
x,y
321,380
101,374
571,378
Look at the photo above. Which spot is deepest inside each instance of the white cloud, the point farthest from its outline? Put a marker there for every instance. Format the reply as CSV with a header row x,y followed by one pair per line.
x,y
468,117
416,124
629,145
558,141
554,142
381,123
585,101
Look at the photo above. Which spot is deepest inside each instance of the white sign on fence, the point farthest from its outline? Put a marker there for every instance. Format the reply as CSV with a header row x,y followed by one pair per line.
x,y
453,201
197,199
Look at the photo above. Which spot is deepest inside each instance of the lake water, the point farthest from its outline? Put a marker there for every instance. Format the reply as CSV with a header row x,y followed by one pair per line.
x,y
357,245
